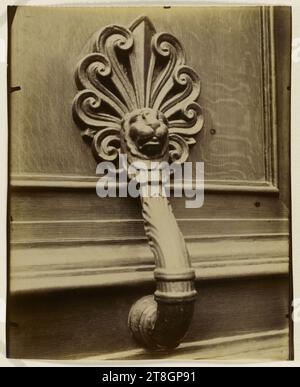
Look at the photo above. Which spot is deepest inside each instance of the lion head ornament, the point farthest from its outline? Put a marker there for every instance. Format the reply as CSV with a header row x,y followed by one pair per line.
x,y
145,133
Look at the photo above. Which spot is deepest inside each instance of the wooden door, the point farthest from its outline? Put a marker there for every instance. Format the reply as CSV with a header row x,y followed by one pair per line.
x,y
78,263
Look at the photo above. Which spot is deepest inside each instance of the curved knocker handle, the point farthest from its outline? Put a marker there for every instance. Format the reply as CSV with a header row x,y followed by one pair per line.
x,y
161,321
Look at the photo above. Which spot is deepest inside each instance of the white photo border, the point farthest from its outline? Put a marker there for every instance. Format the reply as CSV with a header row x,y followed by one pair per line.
x,y
295,157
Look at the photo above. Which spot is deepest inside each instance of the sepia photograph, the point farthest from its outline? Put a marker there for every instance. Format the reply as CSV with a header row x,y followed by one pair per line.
x,y
149,193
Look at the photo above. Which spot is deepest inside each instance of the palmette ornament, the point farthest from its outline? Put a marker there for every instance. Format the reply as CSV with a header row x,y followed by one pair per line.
x,y
137,96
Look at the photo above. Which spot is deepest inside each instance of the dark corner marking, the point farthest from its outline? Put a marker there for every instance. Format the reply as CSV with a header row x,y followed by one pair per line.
x,y
11,13
15,88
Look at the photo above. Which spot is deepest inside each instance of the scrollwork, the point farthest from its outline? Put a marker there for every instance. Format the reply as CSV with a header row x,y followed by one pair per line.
x,y
167,46
178,149
106,144
117,79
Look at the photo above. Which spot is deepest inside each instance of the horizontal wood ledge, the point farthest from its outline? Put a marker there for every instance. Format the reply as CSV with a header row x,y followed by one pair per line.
x,y
262,346
68,231
82,182
50,268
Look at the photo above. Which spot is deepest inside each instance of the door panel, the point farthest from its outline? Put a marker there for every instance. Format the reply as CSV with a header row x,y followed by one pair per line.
x,y
78,262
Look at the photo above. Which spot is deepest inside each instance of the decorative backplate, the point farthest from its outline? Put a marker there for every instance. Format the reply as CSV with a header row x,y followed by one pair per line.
x,y
136,95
